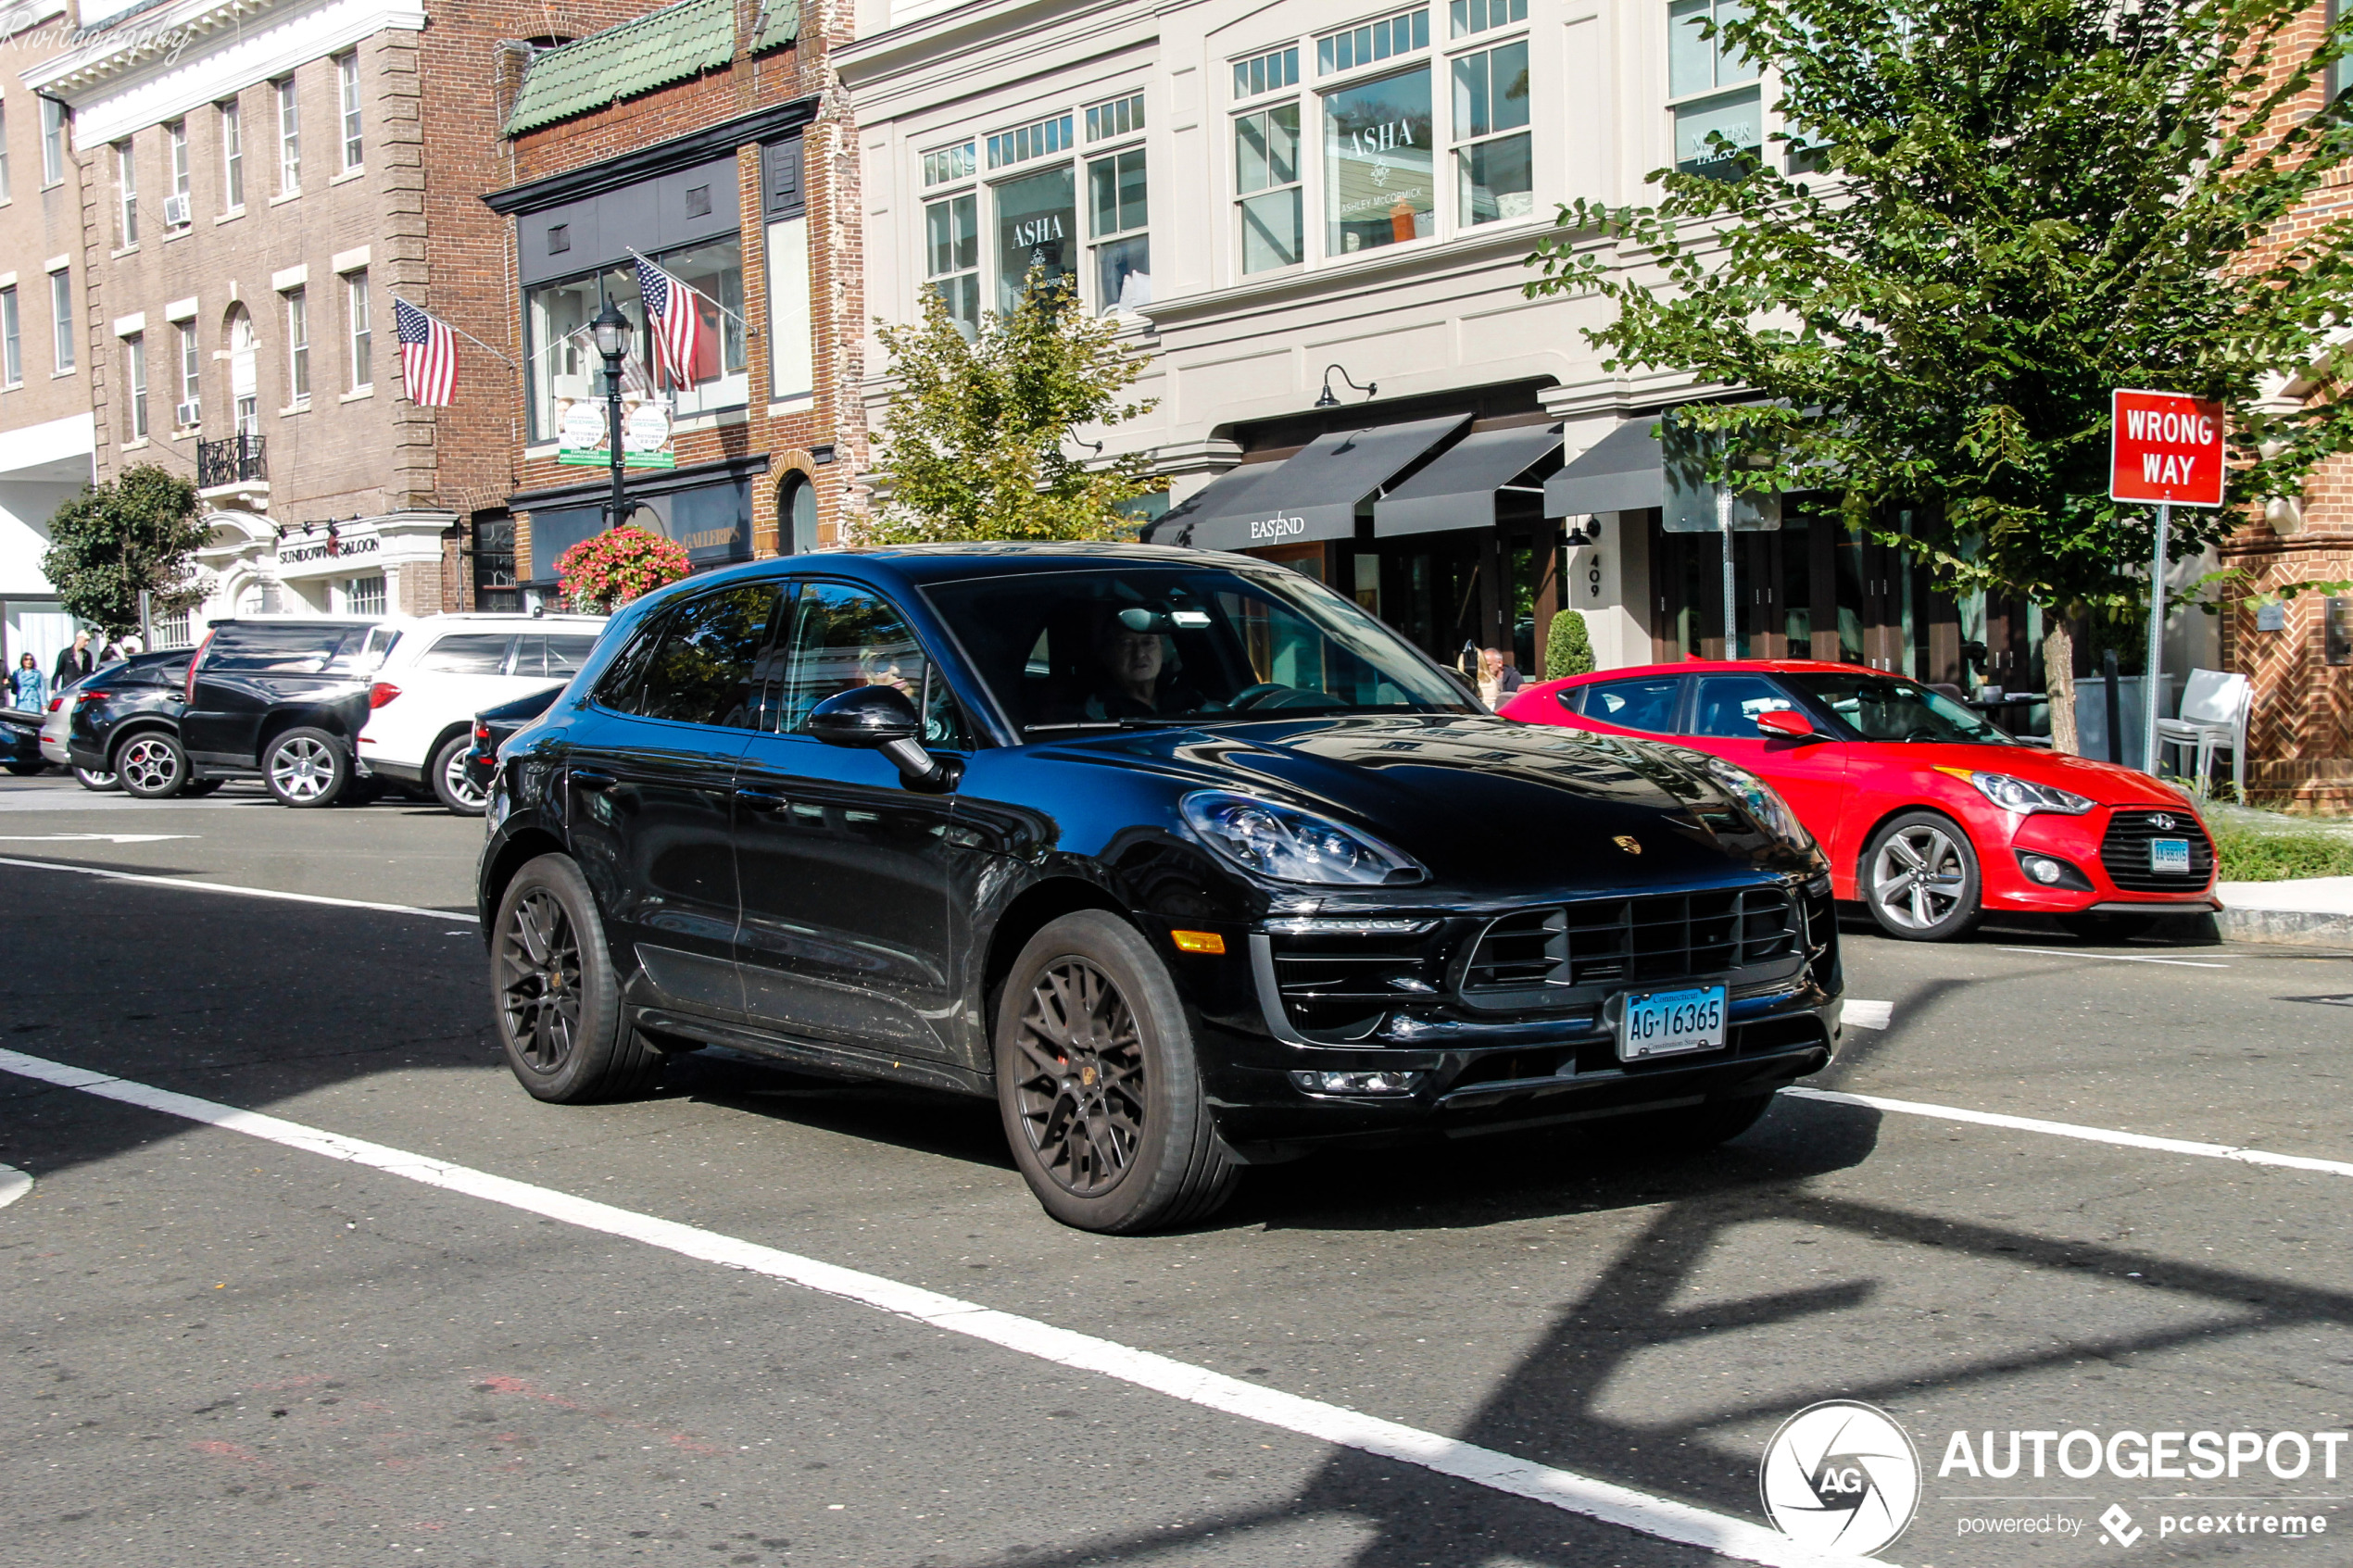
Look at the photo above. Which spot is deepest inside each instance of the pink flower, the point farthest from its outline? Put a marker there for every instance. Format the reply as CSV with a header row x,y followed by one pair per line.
x,y
608,569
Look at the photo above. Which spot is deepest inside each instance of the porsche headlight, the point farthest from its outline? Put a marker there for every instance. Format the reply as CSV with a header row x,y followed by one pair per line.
x,y
1287,845
2025,796
1762,802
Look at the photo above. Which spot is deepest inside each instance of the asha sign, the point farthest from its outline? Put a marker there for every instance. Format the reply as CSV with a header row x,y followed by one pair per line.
x,y
2166,448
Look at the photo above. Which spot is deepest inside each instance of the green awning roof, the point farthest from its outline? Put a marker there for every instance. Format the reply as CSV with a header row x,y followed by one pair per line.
x,y
661,47
779,25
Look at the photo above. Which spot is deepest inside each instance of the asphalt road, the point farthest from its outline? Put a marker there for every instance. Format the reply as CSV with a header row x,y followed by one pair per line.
x,y
224,1349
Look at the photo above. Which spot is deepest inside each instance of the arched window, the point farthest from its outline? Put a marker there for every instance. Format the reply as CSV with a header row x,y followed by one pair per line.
x,y
797,515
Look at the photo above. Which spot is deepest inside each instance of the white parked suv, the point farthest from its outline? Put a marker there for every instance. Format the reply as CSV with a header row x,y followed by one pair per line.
x,y
445,669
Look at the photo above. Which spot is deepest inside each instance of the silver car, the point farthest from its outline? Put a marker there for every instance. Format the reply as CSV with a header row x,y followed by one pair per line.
x,y
52,736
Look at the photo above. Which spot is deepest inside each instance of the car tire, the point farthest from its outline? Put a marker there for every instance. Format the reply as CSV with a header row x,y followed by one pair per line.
x,y
554,995
1105,1112
306,767
151,765
96,782
197,788
1920,879
27,769
450,784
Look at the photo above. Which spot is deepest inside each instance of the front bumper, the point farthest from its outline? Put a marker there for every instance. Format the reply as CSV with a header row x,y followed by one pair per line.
x,y
2082,845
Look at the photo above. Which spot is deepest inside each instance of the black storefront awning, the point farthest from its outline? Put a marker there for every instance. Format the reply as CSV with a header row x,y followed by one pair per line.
x,y
1457,490
1622,472
1309,495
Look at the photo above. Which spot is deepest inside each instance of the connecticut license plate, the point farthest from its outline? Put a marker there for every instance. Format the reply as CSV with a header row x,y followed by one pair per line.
x,y
2170,856
1669,1022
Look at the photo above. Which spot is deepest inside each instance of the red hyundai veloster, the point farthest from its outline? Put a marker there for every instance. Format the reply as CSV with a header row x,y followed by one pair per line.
x,y
1929,815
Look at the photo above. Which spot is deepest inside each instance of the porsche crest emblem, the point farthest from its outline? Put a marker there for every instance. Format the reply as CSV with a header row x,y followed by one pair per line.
x,y
1628,843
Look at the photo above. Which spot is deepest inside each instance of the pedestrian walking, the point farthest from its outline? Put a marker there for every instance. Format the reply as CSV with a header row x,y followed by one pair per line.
x,y
27,691
74,663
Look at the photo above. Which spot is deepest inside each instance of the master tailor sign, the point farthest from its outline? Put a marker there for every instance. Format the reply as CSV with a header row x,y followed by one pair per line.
x,y
2166,448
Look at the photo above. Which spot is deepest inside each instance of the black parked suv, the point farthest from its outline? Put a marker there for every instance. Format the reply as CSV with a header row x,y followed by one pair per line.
x,y
1181,858
126,721
286,698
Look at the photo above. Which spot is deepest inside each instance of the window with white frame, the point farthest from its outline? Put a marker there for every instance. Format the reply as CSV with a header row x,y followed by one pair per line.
x,y
11,339
61,318
298,347
1036,218
1478,16
1024,143
354,293
1269,73
361,596
126,187
134,381
347,97
1117,231
289,138
177,213
53,142
1352,48
1712,91
1379,176
1492,173
1121,116
1268,193
952,256
4,153
232,157
189,411
948,164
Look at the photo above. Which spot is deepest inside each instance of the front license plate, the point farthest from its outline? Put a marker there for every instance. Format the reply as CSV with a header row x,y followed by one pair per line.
x,y
2170,855
1671,1023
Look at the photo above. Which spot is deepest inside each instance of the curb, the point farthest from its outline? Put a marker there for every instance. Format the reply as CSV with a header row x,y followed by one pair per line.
x,y
2297,928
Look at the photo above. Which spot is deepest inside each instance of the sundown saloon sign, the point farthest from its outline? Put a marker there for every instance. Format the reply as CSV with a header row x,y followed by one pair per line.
x,y
2167,449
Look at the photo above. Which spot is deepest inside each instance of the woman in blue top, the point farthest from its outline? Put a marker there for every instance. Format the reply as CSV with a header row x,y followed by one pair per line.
x,y
28,690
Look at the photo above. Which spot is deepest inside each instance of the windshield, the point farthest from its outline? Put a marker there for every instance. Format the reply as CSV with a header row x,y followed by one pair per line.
x,y
1143,644
1887,707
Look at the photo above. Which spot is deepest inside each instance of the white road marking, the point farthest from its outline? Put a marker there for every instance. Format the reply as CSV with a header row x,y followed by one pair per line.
x,y
88,837
2112,958
195,885
2071,1129
1660,1517
14,1184
1868,1015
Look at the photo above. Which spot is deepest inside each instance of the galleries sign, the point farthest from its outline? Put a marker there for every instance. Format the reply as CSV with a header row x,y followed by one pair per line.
x,y
2166,448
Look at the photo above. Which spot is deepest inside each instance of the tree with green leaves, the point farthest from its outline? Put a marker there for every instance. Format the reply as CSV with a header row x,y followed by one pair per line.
x,y
976,444
136,533
1985,215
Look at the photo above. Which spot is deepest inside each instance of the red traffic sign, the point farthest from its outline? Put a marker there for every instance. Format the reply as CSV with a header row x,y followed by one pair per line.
x,y
2166,448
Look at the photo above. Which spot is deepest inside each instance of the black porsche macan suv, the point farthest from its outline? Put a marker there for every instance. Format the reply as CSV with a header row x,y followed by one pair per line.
x,y
1183,858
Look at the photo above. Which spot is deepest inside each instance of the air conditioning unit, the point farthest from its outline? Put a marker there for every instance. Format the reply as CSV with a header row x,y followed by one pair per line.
x,y
187,416
175,212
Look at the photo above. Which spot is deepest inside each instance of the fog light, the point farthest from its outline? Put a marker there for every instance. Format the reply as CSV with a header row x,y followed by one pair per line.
x,y
2044,869
1386,1082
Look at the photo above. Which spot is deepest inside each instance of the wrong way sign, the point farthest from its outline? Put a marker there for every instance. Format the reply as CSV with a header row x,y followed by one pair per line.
x,y
2166,448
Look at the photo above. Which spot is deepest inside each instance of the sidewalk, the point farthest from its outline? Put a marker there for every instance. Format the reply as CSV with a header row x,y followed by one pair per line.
x,y
2311,911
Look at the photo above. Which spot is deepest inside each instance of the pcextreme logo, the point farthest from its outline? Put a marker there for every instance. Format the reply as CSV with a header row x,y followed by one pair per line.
x,y
1840,1476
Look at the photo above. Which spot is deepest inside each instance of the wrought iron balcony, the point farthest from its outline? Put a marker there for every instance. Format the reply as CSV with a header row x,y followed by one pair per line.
x,y
235,459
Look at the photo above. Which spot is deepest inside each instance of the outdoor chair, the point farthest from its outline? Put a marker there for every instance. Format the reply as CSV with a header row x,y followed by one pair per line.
x,y
2214,710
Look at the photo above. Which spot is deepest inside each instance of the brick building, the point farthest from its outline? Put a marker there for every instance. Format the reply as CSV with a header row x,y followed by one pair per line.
x,y
705,137
260,179
46,432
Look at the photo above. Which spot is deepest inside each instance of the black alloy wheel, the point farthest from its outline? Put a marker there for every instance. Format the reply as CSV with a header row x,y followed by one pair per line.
x,y
1098,1084
151,765
557,1000
96,782
451,784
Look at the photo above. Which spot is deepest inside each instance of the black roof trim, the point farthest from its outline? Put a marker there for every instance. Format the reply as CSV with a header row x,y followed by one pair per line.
x,y
679,152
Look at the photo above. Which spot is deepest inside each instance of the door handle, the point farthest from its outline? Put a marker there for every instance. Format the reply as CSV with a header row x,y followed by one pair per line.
x,y
759,800
588,778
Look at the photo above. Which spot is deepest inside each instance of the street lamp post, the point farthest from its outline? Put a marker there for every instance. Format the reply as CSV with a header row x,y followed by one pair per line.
x,y
613,332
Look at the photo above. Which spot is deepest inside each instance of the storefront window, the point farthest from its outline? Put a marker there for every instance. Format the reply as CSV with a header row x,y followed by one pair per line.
x,y
1490,98
1378,188
1267,179
1699,69
951,257
1115,222
565,361
1036,217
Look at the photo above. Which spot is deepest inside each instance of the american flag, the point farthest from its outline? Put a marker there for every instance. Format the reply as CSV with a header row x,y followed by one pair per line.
x,y
428,356
677,324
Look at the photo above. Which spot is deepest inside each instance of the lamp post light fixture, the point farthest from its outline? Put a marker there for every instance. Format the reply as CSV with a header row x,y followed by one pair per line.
x,y
612,332
1328,401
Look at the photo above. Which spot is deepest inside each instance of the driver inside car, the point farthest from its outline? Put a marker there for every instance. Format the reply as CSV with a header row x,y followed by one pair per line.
x,y
1133,676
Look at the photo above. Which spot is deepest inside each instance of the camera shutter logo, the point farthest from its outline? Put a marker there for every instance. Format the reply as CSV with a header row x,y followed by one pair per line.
x,y
1840,1476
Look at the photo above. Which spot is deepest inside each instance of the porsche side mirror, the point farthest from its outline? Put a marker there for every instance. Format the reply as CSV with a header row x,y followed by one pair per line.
x,y
881,719
1786,723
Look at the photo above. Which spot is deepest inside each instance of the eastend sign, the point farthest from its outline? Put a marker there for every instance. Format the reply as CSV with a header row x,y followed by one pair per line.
x,y
2166,448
